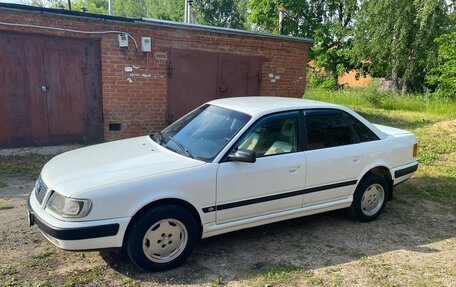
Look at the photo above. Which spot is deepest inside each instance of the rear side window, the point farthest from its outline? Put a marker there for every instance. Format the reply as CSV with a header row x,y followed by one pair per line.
x,y
363,132
328,128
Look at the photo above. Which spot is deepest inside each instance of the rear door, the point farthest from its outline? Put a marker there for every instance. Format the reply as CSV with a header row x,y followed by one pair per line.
x,y
334,156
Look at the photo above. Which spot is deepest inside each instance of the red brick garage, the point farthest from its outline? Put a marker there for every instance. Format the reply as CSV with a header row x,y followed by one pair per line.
x,y
59,86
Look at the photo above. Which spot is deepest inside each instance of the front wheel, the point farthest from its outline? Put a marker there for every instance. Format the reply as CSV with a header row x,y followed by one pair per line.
x,y
370,198
162,238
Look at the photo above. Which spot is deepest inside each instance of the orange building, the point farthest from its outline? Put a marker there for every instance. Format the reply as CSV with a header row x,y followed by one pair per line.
x,y
354,79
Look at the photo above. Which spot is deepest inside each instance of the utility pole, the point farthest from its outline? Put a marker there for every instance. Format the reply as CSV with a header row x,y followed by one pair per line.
x,y
190,15
69,4
109,7
186,12
282,11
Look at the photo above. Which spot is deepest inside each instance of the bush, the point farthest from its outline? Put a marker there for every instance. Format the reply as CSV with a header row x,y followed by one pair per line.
x,y
321,81
375,97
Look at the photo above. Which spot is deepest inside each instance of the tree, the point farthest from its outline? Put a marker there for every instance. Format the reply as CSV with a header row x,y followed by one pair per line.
x,y
397,37
157,9
444,75
223,13
92,6
328,22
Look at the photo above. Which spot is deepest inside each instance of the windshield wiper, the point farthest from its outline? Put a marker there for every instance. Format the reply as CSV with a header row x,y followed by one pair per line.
x,y
181,146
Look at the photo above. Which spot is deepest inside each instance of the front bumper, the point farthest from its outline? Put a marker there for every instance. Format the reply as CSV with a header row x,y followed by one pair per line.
x,y
81,235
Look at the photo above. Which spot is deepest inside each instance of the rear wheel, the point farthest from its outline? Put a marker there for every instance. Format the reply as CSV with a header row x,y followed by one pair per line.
x,y
370,198
162,238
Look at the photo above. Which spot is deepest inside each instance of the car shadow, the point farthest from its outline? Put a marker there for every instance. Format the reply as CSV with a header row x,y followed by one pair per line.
x,y
307,243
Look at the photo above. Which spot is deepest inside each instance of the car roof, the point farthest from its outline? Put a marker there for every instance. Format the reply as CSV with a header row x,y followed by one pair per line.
x,y
257,106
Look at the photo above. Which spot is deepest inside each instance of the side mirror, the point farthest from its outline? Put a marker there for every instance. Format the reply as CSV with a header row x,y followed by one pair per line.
x,y
242,155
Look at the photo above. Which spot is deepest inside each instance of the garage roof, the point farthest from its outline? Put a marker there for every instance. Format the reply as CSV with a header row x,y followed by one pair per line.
x,y
154,22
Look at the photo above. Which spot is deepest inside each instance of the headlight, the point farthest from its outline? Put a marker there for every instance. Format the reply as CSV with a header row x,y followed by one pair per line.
x,y
68,207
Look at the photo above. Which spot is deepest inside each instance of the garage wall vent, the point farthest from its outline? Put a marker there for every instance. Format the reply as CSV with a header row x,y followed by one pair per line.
x,y
115,127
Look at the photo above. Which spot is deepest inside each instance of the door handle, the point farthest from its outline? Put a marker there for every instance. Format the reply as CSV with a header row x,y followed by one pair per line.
x,y
293,169
356,159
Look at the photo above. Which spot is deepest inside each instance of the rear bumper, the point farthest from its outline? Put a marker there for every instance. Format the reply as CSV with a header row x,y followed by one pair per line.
x,y
81,235
404,172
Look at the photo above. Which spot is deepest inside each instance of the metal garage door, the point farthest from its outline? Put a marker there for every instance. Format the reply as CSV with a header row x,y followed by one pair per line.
x,y
50,90
195,77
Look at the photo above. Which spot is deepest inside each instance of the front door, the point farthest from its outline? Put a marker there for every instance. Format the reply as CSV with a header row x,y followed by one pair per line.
x,y
267,185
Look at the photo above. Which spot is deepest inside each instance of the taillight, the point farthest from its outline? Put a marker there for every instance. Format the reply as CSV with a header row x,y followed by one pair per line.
x,y
415,150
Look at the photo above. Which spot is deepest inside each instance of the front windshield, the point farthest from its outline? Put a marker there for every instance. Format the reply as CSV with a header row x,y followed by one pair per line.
x,y
204,132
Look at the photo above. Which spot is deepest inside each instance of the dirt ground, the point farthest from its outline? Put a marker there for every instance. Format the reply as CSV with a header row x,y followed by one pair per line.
x,y
413,243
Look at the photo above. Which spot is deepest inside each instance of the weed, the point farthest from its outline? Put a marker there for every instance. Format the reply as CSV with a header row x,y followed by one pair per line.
x,y
43,255
11,282
7,270
3,207
217,281
84,277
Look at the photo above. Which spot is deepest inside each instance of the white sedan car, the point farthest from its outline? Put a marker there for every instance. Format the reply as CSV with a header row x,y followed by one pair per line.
x,y
230,164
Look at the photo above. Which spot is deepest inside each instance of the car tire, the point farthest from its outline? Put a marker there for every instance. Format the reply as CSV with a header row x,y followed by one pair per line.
x,y
370,198
162,238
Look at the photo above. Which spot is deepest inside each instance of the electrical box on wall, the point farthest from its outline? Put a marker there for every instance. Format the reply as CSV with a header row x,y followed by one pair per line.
x,y
146,44
123,41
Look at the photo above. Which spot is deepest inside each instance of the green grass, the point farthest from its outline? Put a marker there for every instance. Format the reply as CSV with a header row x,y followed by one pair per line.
x,y
270,274
433,121
44,254
28,166
4,205
85,277
364,98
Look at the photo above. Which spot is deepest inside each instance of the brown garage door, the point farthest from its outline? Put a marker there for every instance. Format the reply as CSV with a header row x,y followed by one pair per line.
x,y
195,77
50,90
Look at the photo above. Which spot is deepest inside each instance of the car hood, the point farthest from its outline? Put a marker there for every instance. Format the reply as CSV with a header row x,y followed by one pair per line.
x,y
109,163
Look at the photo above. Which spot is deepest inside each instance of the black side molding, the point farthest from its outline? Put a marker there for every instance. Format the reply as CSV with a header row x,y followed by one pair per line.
x,y
72,233
277,196
405,171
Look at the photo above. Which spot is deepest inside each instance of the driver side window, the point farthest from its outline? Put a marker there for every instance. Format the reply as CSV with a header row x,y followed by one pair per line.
x,y
272,136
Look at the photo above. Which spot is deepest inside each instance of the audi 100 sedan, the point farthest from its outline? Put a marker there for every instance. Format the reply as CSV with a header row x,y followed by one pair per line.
x,y
230,164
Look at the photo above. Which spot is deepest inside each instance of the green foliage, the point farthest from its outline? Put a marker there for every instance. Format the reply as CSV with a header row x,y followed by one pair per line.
x,y
328,22
374,96
158,9
223,13
92,6
444,75
397,37
315,80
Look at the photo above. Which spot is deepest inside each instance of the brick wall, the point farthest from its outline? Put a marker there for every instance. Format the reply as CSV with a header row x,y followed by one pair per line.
x,y
138,99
